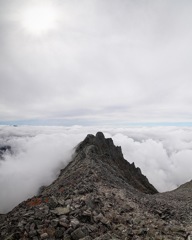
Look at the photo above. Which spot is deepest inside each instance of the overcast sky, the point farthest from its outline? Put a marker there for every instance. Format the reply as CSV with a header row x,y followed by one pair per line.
x,y
99,61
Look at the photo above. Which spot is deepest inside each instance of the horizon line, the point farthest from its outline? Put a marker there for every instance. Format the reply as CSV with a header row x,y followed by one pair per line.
x,y
70,123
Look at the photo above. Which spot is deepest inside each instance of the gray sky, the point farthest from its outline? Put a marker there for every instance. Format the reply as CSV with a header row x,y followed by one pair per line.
x,y
101,61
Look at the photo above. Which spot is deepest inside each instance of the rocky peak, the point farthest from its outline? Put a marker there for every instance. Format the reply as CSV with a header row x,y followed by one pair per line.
x,y
103,149
100,145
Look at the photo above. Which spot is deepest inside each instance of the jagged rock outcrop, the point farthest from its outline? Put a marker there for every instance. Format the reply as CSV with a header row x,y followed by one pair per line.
x,y
100,196
112,155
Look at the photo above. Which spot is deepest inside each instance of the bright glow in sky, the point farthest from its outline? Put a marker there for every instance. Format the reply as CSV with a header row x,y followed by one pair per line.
x,y
39,19
96,62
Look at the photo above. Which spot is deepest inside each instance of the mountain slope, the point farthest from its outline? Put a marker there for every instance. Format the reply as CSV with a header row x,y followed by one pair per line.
x,y
99,195
99,156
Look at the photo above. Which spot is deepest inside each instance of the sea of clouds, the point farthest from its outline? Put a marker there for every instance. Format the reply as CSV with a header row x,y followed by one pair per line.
x,y
164,155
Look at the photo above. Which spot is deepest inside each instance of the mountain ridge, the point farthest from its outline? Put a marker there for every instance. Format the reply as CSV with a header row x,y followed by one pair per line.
x,y
99,195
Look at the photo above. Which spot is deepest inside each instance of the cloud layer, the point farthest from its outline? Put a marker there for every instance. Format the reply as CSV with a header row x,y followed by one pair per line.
x,y
105,61
163,153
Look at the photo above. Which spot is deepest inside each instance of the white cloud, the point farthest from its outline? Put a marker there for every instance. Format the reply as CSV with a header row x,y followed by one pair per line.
x,y
38,156
163,153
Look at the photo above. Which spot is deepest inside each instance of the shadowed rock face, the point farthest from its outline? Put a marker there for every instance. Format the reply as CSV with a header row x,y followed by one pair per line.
x,y
100,196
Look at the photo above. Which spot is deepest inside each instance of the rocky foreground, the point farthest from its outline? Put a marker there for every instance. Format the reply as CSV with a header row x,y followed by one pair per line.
x,y
101,196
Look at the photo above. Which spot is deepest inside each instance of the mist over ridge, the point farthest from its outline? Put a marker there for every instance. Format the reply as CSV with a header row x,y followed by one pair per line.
x,y
38,153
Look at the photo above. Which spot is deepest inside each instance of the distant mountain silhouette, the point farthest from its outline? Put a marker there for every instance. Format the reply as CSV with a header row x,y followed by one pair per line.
x,y
4,149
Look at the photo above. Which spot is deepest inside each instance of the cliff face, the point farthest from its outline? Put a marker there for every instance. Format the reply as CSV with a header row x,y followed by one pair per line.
x,y
99,195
